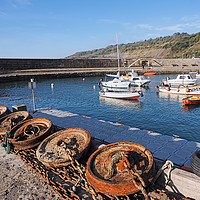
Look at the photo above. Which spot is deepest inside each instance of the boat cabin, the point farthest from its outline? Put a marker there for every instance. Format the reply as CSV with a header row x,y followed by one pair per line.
x,y
181,79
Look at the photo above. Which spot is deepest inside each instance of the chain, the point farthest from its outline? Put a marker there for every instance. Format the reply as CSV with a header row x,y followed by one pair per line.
x,y
135,175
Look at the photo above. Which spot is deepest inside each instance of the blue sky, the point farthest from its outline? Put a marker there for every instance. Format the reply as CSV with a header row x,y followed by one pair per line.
x,y
59,28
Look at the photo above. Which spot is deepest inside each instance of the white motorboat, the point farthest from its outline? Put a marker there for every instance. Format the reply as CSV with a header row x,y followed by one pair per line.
x,y
120,94
181,79
135,79
115,83
181,89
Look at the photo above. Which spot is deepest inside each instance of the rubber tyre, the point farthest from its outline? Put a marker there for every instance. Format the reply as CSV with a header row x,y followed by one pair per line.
x,y
195,162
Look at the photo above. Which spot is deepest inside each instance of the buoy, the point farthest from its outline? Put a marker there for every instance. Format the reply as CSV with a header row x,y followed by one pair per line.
x,y
52,85
168,89
187,90
94,86
83,79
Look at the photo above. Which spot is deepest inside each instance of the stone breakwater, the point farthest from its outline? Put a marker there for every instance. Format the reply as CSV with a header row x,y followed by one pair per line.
x,y
24,69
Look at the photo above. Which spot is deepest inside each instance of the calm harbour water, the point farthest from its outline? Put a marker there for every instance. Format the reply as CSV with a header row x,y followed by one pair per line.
x,y
155,111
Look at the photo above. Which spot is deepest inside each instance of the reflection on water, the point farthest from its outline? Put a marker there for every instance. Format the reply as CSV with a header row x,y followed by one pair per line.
x,y
189,107
168,96
128,104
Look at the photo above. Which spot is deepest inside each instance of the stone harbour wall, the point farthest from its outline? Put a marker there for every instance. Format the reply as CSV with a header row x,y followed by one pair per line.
x,y
24,69
24,64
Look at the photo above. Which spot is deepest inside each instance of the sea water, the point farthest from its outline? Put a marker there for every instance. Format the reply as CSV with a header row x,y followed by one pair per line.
x,y
158,112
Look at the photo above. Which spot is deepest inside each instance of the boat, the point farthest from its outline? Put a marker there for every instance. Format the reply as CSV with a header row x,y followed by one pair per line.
x,y
135,79
120,94
180,89
150,73
116,82
191,100
181,79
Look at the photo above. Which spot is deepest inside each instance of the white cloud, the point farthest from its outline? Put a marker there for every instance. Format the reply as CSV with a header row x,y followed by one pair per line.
x,y
177,27
145,26
19,3
191,18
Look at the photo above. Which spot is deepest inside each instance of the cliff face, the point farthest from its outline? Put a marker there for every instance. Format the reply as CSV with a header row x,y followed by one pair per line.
x,y
179,45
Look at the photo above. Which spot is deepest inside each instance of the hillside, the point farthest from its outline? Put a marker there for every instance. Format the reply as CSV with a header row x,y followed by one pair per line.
x,y
179,45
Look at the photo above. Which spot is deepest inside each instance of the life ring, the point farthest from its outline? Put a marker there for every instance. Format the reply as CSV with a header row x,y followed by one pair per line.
x,y
187,90
195,162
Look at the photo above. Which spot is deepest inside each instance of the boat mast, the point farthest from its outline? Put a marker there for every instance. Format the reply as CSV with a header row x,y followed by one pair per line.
x,y
117,53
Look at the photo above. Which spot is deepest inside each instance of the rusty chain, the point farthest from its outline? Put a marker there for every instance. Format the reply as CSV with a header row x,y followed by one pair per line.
x,y
68,181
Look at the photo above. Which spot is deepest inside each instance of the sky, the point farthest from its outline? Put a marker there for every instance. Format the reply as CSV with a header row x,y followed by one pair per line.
x,y
60,28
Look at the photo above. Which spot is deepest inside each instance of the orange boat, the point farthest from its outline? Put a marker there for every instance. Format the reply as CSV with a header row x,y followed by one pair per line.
x,y
150,73
191,100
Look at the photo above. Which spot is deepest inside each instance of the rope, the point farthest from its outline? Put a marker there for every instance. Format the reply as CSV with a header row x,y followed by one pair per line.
x,y
111,167
168,164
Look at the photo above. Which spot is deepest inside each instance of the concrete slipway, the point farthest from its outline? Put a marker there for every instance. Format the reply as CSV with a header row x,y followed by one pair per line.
x,y
163,147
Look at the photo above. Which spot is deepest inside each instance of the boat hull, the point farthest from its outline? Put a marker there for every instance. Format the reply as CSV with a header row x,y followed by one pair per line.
x,y
150,73
120,95
191,101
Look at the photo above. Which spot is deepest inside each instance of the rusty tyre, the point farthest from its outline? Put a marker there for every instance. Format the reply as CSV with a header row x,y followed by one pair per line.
x,y
121,182
53,151
195,162
10,120
17,133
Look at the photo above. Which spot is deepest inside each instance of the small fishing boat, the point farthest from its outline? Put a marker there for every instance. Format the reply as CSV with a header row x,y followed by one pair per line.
x,y
180,89
191,100
150,73
181,79
120,94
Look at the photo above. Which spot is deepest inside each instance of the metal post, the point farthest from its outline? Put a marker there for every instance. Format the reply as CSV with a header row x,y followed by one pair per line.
x,y
32,86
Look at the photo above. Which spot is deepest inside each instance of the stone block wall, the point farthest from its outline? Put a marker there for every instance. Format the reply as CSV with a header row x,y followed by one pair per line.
x,y
23,64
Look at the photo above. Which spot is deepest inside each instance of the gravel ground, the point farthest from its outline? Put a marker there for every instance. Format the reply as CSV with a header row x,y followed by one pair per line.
x,y
19,182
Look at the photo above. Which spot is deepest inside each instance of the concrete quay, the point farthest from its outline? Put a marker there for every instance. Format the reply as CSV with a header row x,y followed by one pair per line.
x,y
163,147
17,75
